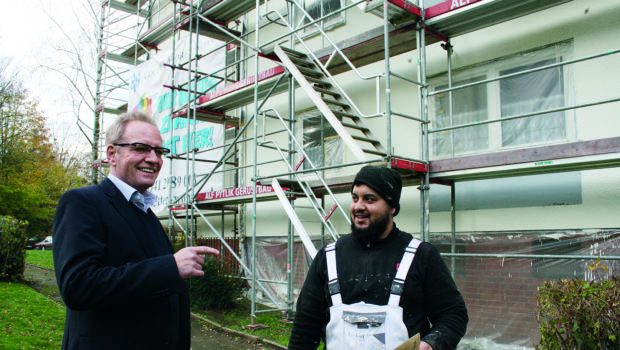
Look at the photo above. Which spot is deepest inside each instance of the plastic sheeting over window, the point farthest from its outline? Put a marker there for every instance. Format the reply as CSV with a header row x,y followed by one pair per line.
x,y
512,98
468,106
320,8
272,268
532,92
499,280
320,141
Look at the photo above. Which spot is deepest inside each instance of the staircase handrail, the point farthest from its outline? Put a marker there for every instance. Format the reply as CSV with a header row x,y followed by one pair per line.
x,y
307,190
307,158
316,60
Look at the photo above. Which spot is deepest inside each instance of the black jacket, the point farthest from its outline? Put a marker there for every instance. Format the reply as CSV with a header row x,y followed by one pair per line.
x,y
365,273
117,275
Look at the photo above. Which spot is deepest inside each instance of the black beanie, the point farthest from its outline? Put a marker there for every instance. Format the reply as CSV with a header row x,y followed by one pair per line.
x,y
385,181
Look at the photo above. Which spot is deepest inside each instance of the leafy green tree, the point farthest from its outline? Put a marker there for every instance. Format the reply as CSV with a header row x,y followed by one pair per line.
x,y
32,175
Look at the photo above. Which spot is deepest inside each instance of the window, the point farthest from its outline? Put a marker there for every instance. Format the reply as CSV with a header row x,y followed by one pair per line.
x,y
468,105
320,141
319,8
536,91
159,12
513,96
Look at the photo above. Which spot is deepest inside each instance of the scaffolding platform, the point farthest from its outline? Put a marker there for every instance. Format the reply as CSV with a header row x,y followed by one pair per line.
x,y
153,37
453,18
178,212
226,11
206,115
241,93
234,195
583,155
217,31
220,12
399,11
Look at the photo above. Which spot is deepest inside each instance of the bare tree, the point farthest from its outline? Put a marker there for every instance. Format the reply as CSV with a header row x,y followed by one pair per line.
x,y
75,61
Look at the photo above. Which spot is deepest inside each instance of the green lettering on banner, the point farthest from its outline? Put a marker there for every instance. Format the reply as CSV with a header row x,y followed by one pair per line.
x,y
207,137
179,123
163,102
183,97
198,139
172,144
165,124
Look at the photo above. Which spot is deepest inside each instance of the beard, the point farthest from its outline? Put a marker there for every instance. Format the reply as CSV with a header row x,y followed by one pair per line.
x,y
373,232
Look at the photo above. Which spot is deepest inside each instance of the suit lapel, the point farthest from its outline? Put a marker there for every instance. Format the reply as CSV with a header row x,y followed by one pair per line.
x,y
130,215
151,214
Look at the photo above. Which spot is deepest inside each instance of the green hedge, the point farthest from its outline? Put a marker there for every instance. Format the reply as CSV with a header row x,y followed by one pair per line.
x,y
577,314
214,290
13,238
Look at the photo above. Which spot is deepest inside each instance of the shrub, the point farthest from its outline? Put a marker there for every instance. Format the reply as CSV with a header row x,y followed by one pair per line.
x,y
577,314
13,238
216,289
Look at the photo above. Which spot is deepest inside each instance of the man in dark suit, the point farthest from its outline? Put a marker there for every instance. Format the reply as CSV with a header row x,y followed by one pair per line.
x,y
116,270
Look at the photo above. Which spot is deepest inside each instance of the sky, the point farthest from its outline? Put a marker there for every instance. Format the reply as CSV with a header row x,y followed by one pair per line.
x,y
29,39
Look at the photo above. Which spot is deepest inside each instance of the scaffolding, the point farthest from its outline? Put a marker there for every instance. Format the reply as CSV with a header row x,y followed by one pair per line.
x,y
300,65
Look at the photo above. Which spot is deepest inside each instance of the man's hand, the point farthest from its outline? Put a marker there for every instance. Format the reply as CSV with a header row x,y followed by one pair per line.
x,y
189,260
425,346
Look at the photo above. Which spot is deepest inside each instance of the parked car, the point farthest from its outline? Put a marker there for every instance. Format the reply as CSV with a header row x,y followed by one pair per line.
x,y
32,241
44,244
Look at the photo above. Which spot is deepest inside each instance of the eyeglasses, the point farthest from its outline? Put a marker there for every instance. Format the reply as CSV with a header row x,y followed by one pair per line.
x,y
143,148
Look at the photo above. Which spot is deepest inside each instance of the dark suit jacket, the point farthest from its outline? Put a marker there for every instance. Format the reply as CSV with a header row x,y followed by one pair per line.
x,y
119,280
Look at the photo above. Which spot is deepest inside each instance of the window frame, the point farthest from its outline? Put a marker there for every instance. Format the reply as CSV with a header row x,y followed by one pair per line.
x,y
333,21
302,116
561,51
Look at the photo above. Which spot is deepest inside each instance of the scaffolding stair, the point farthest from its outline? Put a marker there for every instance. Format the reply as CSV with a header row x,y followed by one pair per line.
x,y
299,227
331,104
301,181
315,203
309,193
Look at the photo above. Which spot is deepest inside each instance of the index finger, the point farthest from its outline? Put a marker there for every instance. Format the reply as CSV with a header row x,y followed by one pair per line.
x,y
207,250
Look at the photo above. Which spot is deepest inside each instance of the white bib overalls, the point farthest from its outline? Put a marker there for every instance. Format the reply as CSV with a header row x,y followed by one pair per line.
x,y
362,326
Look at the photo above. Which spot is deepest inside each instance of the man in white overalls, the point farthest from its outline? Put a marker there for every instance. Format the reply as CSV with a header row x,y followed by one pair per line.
x,y
378,286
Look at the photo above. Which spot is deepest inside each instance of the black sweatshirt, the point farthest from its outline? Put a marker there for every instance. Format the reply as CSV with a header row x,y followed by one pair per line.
x,y
365,273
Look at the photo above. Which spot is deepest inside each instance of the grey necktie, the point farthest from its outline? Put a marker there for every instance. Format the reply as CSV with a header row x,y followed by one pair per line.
x,y
138,200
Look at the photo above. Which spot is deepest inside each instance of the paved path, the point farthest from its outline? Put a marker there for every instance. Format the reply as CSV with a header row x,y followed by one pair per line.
x,y
205,337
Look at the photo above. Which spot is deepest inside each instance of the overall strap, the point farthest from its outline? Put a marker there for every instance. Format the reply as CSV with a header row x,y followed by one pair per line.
x,y
403,268
332,274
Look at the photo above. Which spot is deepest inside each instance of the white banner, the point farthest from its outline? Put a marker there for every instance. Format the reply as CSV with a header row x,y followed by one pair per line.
x,y
148,93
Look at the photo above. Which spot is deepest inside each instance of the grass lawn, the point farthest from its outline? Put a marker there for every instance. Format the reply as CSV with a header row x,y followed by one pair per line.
x,y
41,258
29,320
